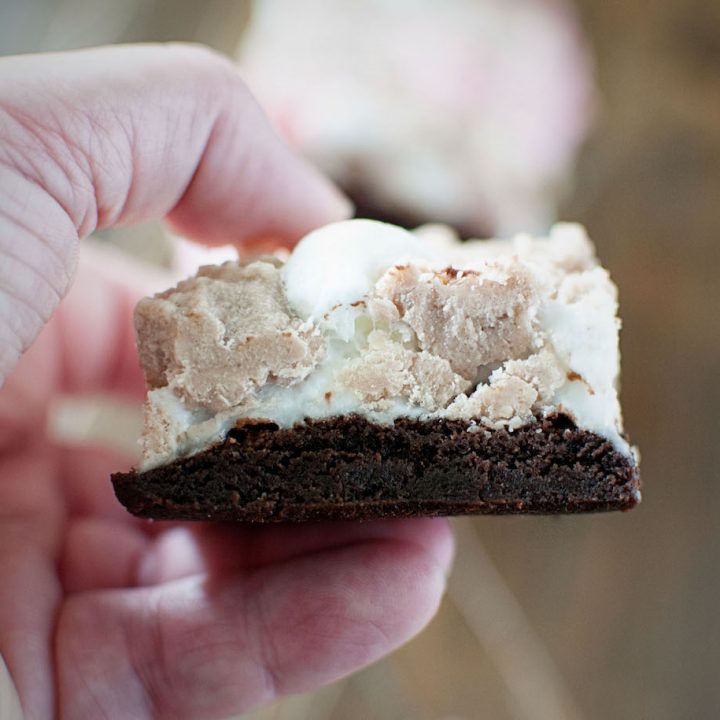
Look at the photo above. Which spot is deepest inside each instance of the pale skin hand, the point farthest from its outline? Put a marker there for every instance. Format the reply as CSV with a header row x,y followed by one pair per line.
x,y
102,615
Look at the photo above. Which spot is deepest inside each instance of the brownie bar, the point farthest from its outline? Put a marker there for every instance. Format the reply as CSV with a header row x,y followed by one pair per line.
x,y
350,468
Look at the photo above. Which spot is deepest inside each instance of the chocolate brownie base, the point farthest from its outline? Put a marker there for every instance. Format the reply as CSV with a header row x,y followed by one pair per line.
x,y
368,205
350,468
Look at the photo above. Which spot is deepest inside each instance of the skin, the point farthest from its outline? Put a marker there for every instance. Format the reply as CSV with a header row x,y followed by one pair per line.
x,y
103,615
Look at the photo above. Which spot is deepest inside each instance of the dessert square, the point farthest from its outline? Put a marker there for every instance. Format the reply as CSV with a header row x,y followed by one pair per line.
x,y
378,372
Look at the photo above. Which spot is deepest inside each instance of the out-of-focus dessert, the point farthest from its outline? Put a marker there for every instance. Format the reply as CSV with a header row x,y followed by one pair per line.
x,y
468,112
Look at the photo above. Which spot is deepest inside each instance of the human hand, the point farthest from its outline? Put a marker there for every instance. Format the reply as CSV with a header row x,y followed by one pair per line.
x,y
101,614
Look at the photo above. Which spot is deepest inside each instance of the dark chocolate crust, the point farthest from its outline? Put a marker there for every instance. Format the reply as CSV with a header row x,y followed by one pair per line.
x,y
350,468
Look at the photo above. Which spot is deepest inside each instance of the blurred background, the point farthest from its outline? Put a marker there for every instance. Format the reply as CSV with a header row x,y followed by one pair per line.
x,y
494,114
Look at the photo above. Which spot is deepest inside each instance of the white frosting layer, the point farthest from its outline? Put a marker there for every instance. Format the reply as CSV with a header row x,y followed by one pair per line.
x,y
340,263
376,324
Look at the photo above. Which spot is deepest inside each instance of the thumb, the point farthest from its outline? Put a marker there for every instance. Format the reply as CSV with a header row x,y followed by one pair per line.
x,y
110,136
